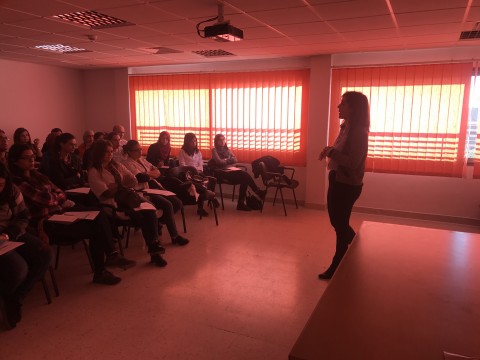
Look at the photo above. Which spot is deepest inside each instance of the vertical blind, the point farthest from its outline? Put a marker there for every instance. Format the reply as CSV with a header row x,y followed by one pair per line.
x,y
260,113
419,116
475,113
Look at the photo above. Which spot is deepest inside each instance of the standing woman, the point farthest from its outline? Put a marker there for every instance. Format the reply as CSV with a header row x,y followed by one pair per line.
x,y
158,153
347,167
222,158
21,268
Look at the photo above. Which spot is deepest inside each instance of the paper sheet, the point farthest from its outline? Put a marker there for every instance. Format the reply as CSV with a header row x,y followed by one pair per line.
x,y
80,190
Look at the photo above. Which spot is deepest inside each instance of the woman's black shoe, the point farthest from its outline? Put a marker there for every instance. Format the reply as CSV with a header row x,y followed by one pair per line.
x,y
158,260
201,212
180,241
243,207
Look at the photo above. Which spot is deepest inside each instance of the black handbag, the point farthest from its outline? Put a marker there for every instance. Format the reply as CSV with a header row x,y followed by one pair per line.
x,y
127,199
253,202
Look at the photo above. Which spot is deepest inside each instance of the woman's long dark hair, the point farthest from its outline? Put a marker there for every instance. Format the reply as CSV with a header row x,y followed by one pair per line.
x,y
358,103
61,139
186,144
16,136
7,195
216,140
99,149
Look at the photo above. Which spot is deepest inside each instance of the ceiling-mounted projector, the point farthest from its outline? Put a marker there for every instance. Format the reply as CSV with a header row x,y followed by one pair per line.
x,y
223,32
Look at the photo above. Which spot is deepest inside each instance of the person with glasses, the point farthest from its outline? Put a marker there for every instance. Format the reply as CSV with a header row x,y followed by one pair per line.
x,y
120,131
44,199
146,175
24,266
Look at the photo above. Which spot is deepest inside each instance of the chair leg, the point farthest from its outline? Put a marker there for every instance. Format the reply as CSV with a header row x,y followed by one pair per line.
x,y
128,236
57,257
47,292
233,193
221,194
215,213
295,197
88,254
54,281
275,197
263,200
120,246
283,202
183,219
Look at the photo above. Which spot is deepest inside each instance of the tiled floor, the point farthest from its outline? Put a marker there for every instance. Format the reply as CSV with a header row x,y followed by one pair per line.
x,y
242,290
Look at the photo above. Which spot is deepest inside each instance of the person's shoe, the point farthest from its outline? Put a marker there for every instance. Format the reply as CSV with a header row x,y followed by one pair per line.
x,y
117,260
156,248
202,213
261,194
158,260
327,275
243,207
10,312
180,241
106,278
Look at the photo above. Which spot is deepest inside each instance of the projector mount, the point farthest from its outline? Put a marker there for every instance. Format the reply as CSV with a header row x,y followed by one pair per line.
x,y
221,31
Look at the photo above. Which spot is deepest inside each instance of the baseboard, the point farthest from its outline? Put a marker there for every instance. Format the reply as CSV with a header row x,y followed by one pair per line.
x,y
418,216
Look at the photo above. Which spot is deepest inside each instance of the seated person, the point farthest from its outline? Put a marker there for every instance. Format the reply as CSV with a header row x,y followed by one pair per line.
x,y
191,156
105,178
222,158
147,173
87,143
86,159
114,139
158,153
65,167
22,136
22,267
44,199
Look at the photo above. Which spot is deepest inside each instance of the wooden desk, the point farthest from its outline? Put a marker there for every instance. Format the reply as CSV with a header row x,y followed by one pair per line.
x,y
401,292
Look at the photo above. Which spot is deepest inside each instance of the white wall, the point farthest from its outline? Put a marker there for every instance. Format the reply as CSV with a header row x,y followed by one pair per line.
x,y
106,99
39,98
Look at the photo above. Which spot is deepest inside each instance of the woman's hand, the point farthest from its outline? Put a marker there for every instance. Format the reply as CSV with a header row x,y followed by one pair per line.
x,y
4,237
325,152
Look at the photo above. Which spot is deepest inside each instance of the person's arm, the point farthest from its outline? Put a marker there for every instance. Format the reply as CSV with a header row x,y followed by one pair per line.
x,y
44,195
152,155
20,217
61,179
357,143
99,186
198,161
128,179
181,158
217,160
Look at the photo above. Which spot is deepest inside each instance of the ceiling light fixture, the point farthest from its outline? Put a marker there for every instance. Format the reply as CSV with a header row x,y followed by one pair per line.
x,y
62,49
221,31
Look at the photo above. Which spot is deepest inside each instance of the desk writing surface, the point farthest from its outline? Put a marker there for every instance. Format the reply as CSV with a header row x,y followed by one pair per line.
x,y
401,292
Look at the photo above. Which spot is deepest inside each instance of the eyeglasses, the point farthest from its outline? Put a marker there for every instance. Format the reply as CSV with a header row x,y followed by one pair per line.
x,y
135,150
4,138
28,157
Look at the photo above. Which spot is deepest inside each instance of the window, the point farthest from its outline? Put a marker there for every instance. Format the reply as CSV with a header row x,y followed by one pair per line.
x,y
260,113
418,113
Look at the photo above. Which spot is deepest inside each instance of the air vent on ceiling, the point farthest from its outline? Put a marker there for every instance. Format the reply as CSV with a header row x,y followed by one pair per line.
x,y
213,53
93,19
161,50
62,49
469,35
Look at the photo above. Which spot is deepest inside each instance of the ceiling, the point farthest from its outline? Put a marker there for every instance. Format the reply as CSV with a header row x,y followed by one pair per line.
x,y
272,29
